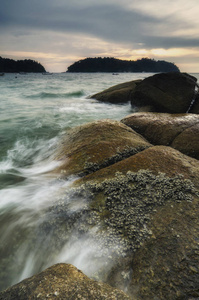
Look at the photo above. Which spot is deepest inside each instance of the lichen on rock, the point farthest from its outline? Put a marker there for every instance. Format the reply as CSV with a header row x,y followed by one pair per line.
x,y
130,200
62,281
92,146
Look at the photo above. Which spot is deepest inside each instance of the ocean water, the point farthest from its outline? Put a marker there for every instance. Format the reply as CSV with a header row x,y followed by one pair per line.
x,y
36,111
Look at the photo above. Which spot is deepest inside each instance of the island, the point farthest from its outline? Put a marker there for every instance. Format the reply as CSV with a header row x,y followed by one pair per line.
x,y
114,65
8,65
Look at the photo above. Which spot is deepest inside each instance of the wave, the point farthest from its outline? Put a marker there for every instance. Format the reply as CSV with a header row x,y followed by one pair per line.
x,y
44,95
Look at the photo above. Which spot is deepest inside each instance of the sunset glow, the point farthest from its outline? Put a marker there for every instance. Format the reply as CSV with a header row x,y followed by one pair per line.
x,y
59,33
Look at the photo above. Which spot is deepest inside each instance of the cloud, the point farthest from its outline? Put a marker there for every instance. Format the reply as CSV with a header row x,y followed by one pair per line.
x,y
88,27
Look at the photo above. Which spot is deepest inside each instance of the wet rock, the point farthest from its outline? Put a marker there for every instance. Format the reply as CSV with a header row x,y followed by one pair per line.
x,y
179,131
157,159
195,105
61,281
187,141
167,266
160,128
166,92
120,93
92,146
139,207
152,216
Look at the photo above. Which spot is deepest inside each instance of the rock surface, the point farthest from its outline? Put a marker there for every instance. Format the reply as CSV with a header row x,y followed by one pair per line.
x,y
61,281
180,131
167,266
138,201
120,93
195,107
92,146
166,92
140,206
152,216
156,159
187,141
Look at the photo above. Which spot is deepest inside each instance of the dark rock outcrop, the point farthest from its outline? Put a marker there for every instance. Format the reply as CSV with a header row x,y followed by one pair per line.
x,y
166,92
118,94
180,131
172,92
194,109
61,281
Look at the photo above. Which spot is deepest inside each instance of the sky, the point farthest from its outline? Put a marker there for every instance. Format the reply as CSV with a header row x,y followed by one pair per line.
x,y
59,32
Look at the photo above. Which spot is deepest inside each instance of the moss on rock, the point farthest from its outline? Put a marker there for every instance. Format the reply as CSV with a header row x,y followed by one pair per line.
x,y
95,145
179,131
142,209
167,266
156,159
61,281
160,128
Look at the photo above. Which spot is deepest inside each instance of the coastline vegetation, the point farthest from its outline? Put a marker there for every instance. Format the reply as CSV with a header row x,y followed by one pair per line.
x,y
8,65
110,64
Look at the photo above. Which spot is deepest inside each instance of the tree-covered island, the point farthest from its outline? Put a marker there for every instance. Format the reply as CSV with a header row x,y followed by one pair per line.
x,y
8,65
110,64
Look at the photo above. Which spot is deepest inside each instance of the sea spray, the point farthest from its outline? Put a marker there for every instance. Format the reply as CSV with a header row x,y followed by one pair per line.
x,y
95,234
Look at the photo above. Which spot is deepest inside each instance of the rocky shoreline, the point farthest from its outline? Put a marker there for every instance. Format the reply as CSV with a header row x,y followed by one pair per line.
x,y
138,182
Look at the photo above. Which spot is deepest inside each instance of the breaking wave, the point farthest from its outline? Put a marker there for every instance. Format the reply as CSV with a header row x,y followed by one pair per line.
x,y
46,95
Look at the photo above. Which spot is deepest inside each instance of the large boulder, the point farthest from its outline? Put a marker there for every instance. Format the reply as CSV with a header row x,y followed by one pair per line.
x,y
167,266
120,93
187,141
138,206
179,131
61,281
166,92
195,105
153,217
157,159
94,145
134,203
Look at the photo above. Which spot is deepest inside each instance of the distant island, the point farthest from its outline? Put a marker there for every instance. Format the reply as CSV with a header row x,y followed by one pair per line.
x,y
110,64
8,65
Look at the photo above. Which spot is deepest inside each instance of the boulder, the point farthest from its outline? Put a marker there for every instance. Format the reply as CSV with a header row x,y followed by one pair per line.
x,y
144,205
167,266
179,131
195,105
120,93
157,159
166,92
138,206
151,220
187,141
94,145
61,281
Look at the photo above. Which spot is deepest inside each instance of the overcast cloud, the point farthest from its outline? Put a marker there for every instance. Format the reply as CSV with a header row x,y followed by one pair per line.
x,y
57,33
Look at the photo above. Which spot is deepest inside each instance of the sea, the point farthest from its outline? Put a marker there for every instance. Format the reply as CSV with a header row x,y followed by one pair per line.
x,y
36,111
